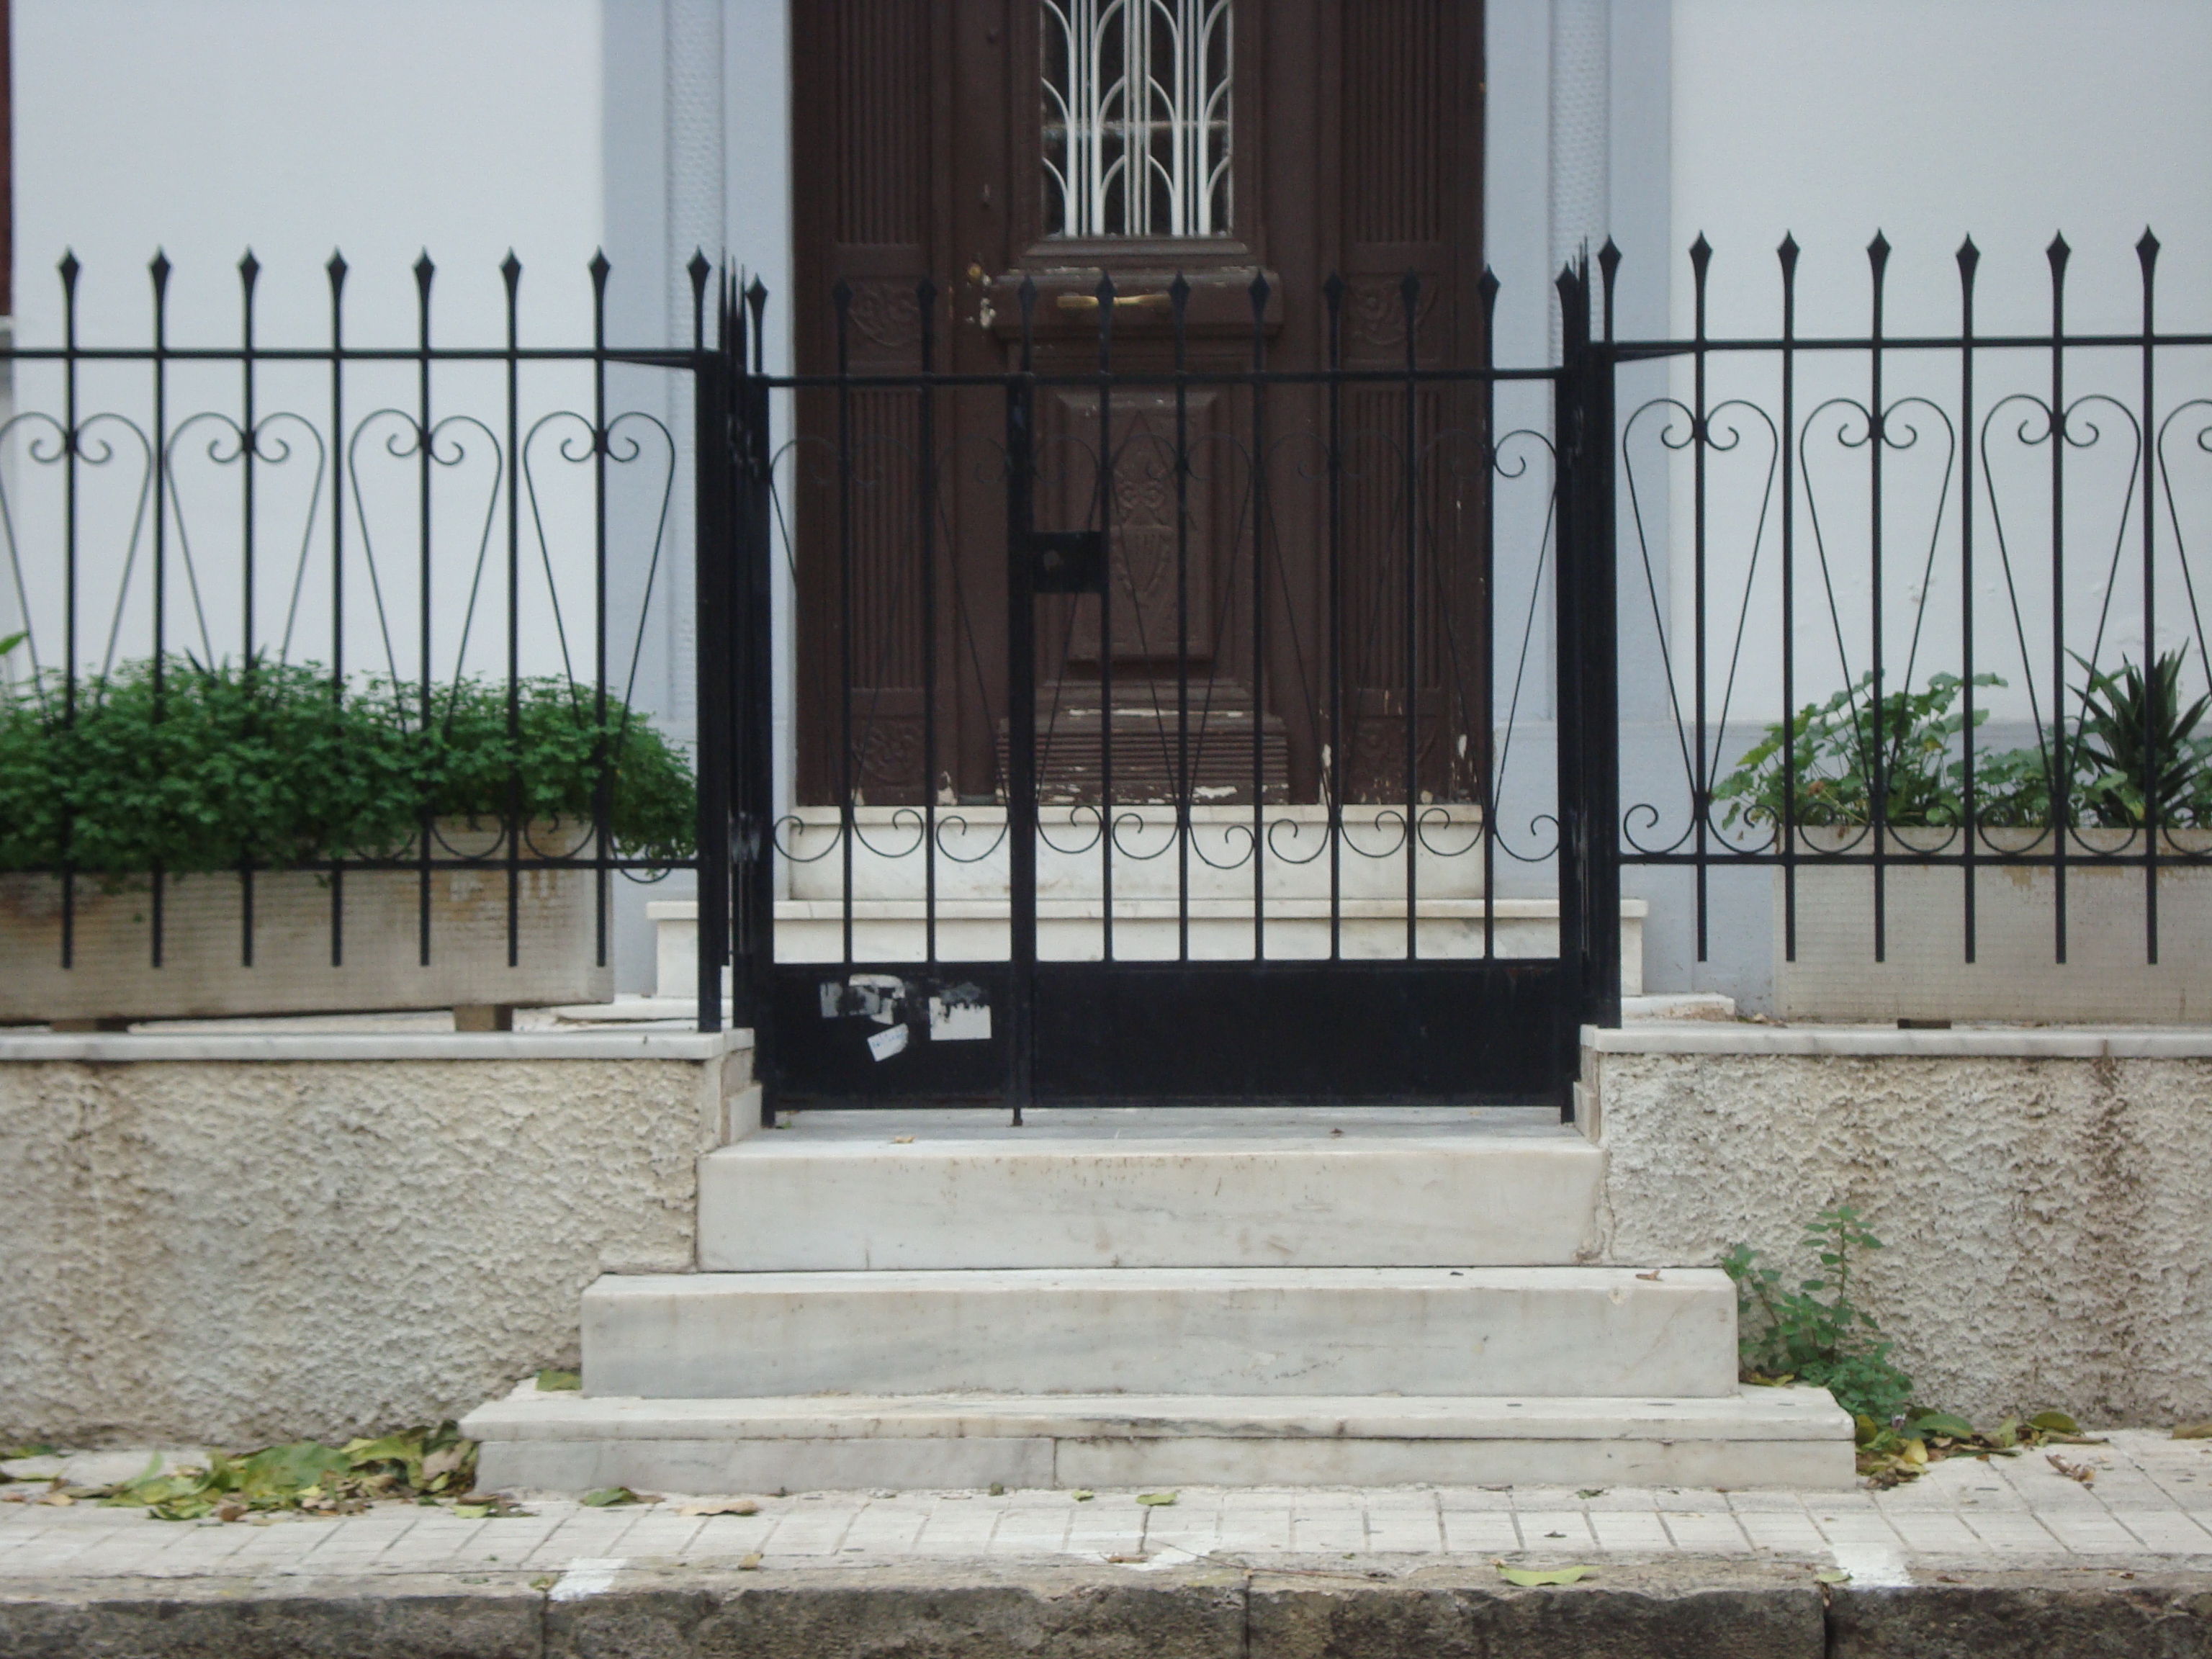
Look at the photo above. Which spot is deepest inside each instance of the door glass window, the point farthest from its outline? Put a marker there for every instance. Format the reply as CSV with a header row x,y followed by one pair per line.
x,y
1136,116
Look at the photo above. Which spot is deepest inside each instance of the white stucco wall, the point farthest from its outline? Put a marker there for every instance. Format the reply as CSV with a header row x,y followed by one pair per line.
x,y
233,1251
2039,1196
463,126
1929,120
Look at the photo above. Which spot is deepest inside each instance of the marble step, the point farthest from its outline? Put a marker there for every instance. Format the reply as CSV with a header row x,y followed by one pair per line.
x,y
1747,1437
1548,1331
855,1191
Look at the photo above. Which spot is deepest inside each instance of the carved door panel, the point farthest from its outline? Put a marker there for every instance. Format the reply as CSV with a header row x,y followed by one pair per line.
x,y
1155,603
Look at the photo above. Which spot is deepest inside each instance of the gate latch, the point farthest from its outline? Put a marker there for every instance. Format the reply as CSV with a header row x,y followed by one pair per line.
x,y
1067,561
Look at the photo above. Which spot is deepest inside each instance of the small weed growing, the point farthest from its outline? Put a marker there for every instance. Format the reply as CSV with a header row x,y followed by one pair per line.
x,y
1815,1334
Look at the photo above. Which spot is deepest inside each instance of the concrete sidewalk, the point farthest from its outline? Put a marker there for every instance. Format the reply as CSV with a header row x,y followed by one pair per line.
x,y
2008,1555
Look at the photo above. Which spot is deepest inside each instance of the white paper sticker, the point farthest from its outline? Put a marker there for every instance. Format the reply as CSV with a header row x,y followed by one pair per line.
x,y
891,1040
961,1022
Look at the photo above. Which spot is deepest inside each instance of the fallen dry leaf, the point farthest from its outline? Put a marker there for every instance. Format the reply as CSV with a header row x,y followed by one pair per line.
x,y
901,1140
2193,1431
721,1506
1530,1577
2080,1472
1654,1273
749,1561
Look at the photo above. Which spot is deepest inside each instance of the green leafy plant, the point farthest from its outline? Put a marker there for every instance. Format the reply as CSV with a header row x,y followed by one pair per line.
x,y
2126,717
210,767
1822,764
1826,755
1815,1334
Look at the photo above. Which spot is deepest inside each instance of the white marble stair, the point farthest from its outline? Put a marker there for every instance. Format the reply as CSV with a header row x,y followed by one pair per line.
x,y
575,1442
1246,1331
1293,1296
1084,1188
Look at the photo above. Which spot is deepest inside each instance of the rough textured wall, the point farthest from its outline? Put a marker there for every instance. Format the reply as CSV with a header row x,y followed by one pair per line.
x,y
242,1252
2048,1222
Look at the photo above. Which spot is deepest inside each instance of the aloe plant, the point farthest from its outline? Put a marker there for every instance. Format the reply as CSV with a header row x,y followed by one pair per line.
x,y
2134,733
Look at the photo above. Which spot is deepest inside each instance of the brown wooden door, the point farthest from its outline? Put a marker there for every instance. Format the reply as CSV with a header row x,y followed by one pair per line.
x,y
930,144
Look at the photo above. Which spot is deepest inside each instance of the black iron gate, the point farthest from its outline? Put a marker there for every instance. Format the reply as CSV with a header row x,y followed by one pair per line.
x,y
1234,818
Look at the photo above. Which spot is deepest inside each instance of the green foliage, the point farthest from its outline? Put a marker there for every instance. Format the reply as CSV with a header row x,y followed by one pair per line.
x,y
1815,1334
205,769
1828,752
2124,716
1827,755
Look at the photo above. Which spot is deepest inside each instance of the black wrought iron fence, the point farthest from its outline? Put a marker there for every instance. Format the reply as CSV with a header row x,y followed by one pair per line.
x,y
391,634
1919,602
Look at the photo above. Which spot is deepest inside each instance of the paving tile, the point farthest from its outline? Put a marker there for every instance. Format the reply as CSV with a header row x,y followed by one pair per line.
x,y
661,1536
2012,1532
1254,1527
887,1526
2090,1535
1765,1503
1934,1534
955,1529
1479,1532
1327,1524
1027,1530
1851,1527
1690,1500
1099,1529
1784,1534
2166,1531
1554,1529
1715,1531
1193,1523
1403,1528
1450,1498
1630,1532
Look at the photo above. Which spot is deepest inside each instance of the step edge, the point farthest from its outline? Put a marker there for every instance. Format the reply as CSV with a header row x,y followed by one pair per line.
x,y
1795,1415
1586,1281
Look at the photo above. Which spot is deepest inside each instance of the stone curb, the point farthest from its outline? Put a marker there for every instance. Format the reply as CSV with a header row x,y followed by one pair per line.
x,y
970,1610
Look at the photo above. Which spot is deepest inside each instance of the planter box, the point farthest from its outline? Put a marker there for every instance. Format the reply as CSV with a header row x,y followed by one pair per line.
x,y
204,974
2016,974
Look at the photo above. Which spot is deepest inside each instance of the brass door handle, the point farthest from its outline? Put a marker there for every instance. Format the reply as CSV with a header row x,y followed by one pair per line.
x,y
1090,301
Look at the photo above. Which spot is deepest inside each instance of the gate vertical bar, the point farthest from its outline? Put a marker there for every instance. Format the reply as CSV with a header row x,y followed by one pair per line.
x,y
710,593
1589,742
753,525
1021,716
2147,257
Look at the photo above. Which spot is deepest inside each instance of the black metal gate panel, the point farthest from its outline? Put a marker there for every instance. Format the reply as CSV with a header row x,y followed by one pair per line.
x,y
1152,722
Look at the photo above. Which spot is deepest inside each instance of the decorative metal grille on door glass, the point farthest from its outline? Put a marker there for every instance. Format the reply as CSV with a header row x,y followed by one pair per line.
x,y
1136,116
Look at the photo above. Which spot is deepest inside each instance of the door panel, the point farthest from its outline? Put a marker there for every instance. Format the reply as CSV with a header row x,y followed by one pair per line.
x,y
1356,147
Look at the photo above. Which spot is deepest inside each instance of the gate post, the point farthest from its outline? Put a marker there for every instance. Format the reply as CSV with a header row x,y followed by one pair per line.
x,y
1589,699
753,689
1021,719
711,596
